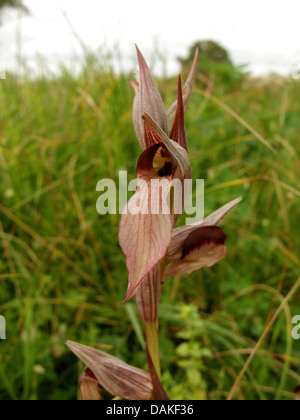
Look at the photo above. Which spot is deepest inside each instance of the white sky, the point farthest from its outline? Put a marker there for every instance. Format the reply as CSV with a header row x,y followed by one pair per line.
x,y
263,33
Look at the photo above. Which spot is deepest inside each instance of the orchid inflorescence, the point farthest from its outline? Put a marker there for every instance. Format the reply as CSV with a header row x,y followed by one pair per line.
x,y
154,249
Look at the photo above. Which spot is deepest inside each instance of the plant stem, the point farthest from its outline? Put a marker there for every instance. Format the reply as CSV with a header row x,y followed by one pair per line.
x,y
151,329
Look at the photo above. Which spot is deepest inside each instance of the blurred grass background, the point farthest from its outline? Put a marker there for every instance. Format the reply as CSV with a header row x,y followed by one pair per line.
x,y
63,275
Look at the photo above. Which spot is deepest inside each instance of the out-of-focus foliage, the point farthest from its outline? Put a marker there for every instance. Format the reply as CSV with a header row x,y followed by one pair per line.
x,y
63,275
209,49
11,3
215,65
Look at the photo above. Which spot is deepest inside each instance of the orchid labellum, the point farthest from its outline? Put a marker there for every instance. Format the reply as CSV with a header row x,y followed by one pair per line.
x,y
154,249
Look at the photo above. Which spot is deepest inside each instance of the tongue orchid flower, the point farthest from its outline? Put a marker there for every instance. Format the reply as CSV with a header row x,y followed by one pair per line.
x,y
146,237
154,249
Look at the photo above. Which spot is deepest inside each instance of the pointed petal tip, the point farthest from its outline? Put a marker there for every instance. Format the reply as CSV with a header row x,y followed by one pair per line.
x,y
127,297
74,347
131,290
141,58
178,132
149,100
69,344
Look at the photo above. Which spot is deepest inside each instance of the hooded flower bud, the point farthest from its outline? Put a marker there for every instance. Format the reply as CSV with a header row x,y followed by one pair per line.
x,y
118,378
147,100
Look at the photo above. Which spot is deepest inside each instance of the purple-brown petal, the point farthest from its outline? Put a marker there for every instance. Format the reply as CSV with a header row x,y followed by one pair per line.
x,y
116,376
178,133
201,236
145,236
147,100
204,247
88,387
180,234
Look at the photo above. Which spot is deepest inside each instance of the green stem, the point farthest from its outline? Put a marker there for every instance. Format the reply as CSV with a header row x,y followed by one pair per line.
x,y
153,345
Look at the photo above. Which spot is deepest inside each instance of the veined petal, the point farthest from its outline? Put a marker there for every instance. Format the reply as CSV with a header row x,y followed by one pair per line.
x,y
144,238
88,387
147,100
187,90
204,247
177,152
180,234
217,217
116,376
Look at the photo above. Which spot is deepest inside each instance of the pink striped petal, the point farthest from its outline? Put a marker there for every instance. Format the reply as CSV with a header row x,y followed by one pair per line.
x,y
116,376
148,294
88,387
147,100
144,238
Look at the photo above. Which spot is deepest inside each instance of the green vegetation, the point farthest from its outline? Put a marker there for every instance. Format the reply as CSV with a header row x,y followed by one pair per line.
x,y
12,3
63,275
214,63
